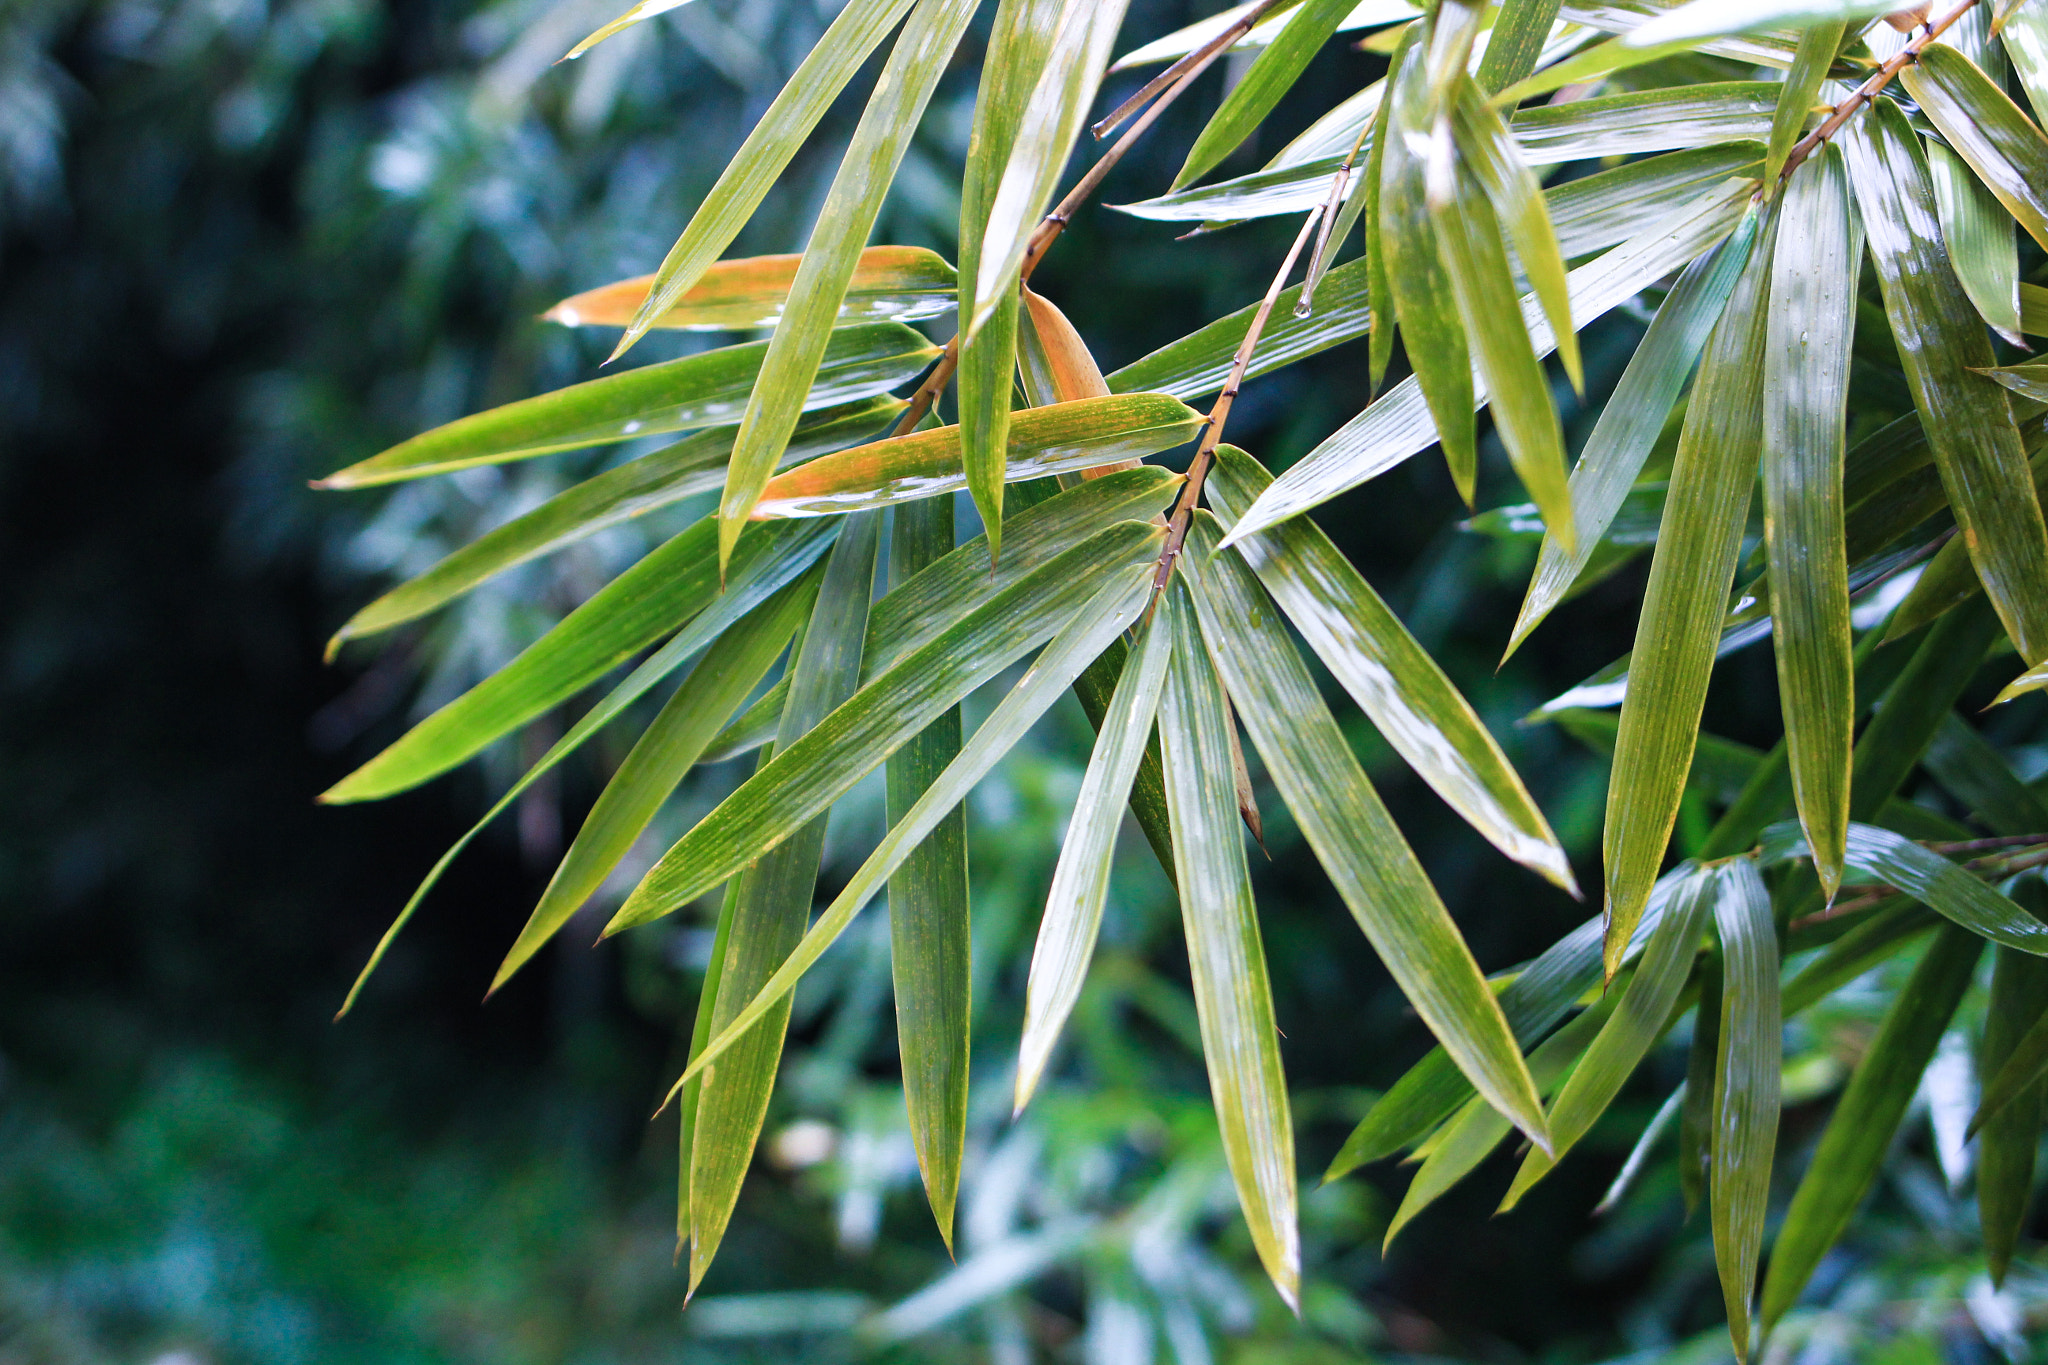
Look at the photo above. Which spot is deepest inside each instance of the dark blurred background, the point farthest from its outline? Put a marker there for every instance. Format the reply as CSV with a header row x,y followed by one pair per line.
x,y
244,242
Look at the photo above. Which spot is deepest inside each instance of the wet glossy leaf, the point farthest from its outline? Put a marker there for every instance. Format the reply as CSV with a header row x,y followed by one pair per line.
x,y
1985,128
902,283
1941,885
1717,18
1970,768
644,10
1917,703
1309,25
2010,1136
1516,42
1747,1082
1179,43
1817,47
1657,120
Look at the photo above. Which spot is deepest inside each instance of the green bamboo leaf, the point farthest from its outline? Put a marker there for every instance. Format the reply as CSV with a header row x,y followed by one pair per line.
x,y
1423,297
1274,72
659,595
1812,319
806,778
1658,120
1179,43
1690,576
2033,680
1632,420
1721,768
1746,1087
1051,122
1018,45
1941,885
1225,958
1638,1159
1398,425
928,913
1478,1128
903,283
1627,17
1970,769
1087,433
922,53
1354,838
2023,33
700,1034
2008,1139
1388,673
772,903
811,90
1981,243
646,9
1517,196
1080,881
1516,43
1587,66
2014,1060
1701,19
691,466
1643,1014
670,746
674,395
1976,442
1817,47
1916,704
1524,416
1377,277
1986,129
1853,1146
1702,1060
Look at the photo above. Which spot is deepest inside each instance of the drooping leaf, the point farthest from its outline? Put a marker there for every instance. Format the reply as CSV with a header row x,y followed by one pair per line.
x,y
1859,1133
1747,1074
1985,128
808,776
899,283
1388,673
920,57
2009,1138
701,390
1226,960
1976,442
1354,838
645,9
1817,47
1275,70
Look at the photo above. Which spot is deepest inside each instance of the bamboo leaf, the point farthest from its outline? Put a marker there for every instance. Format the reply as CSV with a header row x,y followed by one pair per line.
x,y
659,595
842,50
1941,885
1986,129
1516,43
1309,25
928,913
1746,1087
1812,319
1817,47
1702,1060
2033,680
1225,958
1976,443
1378,318
1388,673
1354,838
772,903
645,9
1917,702
896,283
1703,19
1690,576
2008,1139
923,51
1638,1021
1080,881
1398,425
691,466
1970,769
674,395
804,779
2024,36
1657,120
1633,418
670,746
1179,43
1084,434
1981,243
1853,1146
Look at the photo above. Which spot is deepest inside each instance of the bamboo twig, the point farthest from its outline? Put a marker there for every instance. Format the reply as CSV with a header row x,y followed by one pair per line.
x,y
1200,57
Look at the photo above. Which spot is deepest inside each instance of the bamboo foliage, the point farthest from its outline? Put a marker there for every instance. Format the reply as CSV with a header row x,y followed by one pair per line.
x,y
1732,165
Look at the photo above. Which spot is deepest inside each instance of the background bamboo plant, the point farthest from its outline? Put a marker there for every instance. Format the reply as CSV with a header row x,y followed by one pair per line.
x,y
1749,157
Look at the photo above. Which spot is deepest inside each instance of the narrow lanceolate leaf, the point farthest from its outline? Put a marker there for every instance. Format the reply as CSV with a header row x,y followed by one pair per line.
x,y
1516,43
903,283
1944,887
807,777
1703,19
753,170
1633,418
1640,1019
1702,1059
1811,323
1052,120
1986,129
1746,1086
1233,998
645,10
1080,881
923,51
1423,292
928,913
923,464
1517,197
2008,1139
1272,74
1354,838
1970,768
1082,636
2024,35
1976,442
1817,47
2033,680
664,753
1852,1149
1982,244
1018,42
691,466
1379,312
701,390
1179,43
1918,701
1398,425
1389,674
1659,120
772,903
1690,576
1523,414
653,598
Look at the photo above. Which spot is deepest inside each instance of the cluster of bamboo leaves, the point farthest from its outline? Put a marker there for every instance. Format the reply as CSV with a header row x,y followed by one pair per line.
x,y
1738,161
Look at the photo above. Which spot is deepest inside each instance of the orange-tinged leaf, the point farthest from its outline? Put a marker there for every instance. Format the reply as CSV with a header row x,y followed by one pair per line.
x,y
899,282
